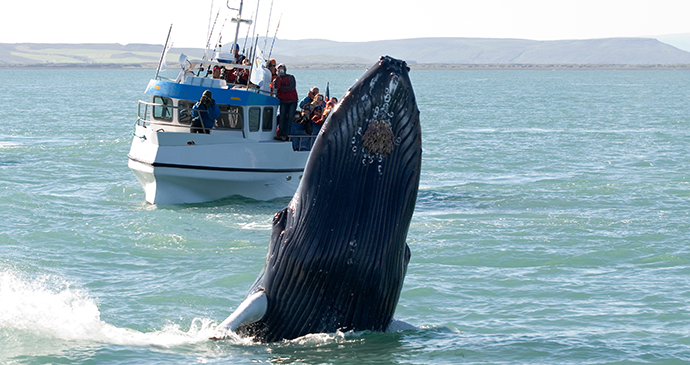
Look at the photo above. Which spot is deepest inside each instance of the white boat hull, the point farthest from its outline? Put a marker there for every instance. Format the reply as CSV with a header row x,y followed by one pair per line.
x,y
172,170
165,185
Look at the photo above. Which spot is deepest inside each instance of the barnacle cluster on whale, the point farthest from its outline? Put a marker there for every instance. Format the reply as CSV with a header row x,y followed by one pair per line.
x,y
376,136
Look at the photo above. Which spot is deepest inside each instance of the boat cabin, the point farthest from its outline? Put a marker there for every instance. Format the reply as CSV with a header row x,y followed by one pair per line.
x,y
248,112
165,114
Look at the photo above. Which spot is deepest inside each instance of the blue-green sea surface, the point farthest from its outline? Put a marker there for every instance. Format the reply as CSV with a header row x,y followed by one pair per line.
x,y
552,227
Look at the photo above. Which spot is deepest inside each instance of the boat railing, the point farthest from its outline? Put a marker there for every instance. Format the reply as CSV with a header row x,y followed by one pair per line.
x,y
163,78
144,120
252,89
146,105
188,76
302,142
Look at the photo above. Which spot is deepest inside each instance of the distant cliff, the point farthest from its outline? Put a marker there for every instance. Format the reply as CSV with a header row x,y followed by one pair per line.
x,y
423,51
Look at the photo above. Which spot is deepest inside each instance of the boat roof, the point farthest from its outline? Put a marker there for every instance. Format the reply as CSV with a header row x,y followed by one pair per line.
x,y
232,96
216,62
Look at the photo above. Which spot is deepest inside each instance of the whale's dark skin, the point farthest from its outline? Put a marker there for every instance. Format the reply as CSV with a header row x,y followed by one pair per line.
x,y
338,255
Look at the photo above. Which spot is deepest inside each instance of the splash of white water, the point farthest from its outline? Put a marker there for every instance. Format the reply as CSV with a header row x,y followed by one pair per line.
x,y
49,308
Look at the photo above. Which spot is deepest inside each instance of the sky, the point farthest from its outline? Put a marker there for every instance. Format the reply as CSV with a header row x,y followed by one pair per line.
x,y
148,21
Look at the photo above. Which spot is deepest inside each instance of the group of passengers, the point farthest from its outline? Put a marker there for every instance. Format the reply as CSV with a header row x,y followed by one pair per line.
x,y
239,76
315,108
232,75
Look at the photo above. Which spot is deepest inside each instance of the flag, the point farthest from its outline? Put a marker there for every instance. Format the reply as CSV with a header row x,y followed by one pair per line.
x,y
165,54
166,47
257,76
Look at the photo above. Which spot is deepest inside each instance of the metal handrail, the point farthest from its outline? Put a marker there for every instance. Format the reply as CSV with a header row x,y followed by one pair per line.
x,y
299,138
257,90
147,104
143,121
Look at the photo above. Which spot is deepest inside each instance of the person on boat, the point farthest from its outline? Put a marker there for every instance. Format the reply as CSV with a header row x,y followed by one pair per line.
x,y
300,131
317,107
216,72
309,98
285,85
238,58
228,75
271,66
330,105
318,121
204,112
303,118
242,74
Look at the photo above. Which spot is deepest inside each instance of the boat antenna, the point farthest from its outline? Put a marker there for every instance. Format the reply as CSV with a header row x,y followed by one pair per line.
x,y
210,34
165,51
238,20
268,26
220,35
244,46
210,16
274,36
256,15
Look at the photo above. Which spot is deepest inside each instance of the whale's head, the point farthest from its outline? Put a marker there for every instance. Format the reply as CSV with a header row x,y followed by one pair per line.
x,y
338,254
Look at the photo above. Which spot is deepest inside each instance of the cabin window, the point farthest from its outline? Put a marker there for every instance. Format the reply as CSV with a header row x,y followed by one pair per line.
x,y
184,115
162,109
267,125
254,119
230,117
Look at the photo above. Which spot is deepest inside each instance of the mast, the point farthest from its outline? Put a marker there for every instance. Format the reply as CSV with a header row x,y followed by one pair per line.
x,y
165,51
275,35
237,20
210,34
268,26
256,16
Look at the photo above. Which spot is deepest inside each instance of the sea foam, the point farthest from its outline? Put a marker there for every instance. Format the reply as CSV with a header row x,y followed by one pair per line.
x,y
49,308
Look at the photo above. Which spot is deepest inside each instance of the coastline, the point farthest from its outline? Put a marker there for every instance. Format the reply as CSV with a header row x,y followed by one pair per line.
x,y
358,66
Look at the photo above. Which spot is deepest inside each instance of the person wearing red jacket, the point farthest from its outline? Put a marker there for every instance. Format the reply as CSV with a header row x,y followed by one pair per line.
x,y
286,89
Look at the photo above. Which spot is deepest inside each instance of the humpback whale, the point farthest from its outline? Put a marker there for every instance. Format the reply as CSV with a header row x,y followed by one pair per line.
x,y
338,255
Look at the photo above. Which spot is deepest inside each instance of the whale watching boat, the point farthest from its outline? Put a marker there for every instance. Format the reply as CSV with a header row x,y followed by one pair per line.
x,y
237,156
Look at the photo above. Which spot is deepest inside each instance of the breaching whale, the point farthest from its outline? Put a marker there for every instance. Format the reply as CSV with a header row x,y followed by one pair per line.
x,y
338,255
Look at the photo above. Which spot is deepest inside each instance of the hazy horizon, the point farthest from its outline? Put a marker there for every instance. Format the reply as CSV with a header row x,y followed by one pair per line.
x,y
680,41
359,21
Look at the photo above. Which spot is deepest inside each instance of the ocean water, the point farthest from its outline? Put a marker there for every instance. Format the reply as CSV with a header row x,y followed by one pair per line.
x,y
551,227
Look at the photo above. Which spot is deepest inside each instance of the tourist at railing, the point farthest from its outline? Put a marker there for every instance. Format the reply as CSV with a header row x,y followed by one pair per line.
x,y
204,113
271,66
286,90
317,107
330,105
309,98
